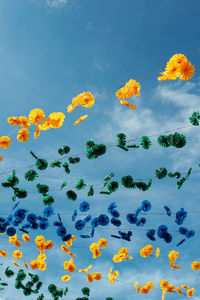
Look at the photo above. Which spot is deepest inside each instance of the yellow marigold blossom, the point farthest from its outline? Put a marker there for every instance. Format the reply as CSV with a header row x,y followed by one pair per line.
x,y
56,119
184,286
164,77
97,276
36,116
171,288
46,124
41,246
70,108
17,254
178,291
24,122
3,253
66,278
131,88
15,263
117,258
17,243
164,284
123,251
149,285
26,237
37,132
178,58
39,239
190,292
144,290
14,121
195,265
12,239
90,277
186,70
80,120
86,269
85,99
135,285
112,276
126,103
5,142
1,158
48,245
25,264
146,251
96,253
34,264
157,252
172,70
23,135
173,255
102,243
66,250
41,256
42,265
69,243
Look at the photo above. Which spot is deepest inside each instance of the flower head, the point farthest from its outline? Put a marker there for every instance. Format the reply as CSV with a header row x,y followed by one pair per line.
x,y
23,135
5,142
36,116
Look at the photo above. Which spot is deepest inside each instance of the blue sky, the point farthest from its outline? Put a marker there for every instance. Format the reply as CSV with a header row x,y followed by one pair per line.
x,y
50,51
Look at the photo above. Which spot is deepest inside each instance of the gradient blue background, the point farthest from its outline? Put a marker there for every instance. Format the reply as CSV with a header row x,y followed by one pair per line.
x,y
52,50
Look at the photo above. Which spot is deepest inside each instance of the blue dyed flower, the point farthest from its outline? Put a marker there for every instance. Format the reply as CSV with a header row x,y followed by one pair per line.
x,y
44,225
115,222
168,210
11,231
84,206
61,231
94,222
141,222
131,218
103,220
146,206
183,230
162,229
167,237
79,225
48,211
31,218
150,234
190,233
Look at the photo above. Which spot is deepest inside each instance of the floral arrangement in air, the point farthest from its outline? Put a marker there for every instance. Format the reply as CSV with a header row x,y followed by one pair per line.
x,y
177,67
131,88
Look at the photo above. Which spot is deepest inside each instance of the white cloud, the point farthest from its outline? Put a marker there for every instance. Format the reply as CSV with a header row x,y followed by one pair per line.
x,y
56,3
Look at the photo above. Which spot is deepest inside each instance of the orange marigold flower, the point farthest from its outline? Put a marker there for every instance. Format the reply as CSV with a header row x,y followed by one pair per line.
x,y
144,290
3,253
36,116
66,277
37,132
97,276
172,70
131,88
71,268
171,288
178,291
164,284
41,246
41,256
90,277
149,285
17,243
5,142
39,239
1,158
42,265
25,264
164,77
195,265
57,119
24,122
12,239
190,292
70,108
178,58
186,70
126,103
14,121
46,124
17,254
23,135
102,243
80,120
26,237
146,251
34,264
86,99
48,245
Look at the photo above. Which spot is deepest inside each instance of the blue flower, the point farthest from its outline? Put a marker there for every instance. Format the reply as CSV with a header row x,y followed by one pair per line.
x,y
84,206
138,210
56,223
79,225
146,206
141,222
44,225
74,215
183,230
2,228
87,219
115,222
168,210
167,237
112,207
94,222
162,229
20,213
180,216
48,211
131,218
61,231
11,231
31,218
190,233
150,234
103,220
34,226
115,214
125,236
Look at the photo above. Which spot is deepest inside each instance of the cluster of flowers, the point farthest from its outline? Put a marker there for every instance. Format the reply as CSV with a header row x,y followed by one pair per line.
x,y
177,67
144,289
61,230
94,247
173,255
132,218
131,88
123,255
91,276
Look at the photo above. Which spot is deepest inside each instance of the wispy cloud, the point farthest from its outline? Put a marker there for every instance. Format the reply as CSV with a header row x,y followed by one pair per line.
x,y
56,3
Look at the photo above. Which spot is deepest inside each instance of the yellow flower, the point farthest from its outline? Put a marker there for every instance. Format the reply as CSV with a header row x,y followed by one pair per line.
x,y
46,124
14,121
41,246
144,290
36,116
15,263
23,135
17,254
102,243
26,237
80,120
17,243
42,265
42,256
12,239
39,239
135,286
190,292
57,119
48,245
123,251
164,284
112,276
164,77
157,252
195,265
24,122
178,291
178,58
146,251
172,70
5,142
37,132
1,158
126,103
25,264
86,99
149,285
90,277
3,253
70,108
86,269
186,70
34,264
66,278
97,276
131,88
171,288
